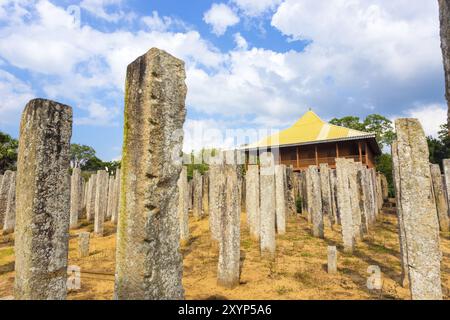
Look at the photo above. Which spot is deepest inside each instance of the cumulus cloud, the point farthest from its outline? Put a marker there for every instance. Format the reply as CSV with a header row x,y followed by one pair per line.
x,y
255,8
220,17
240,41
431,117
105,9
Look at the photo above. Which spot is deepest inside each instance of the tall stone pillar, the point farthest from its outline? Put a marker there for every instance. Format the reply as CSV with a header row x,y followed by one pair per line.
x,y
334,206
315,202
5,185
355,199
444,17
229,244
110,199
197,195
384,188
216,179
363,196
267,205
252,200
205,194
90,201
101,196
183,211
43,201
83,244
446,165
75,197
148,261
419,222
343,203
327,202
280,199
439,197
115,212
290,191
332,259
404,279
10,212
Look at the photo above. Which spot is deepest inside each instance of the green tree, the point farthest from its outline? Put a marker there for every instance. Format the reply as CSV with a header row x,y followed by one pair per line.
x,y
384,165
375,123
8,152
80,155
439,147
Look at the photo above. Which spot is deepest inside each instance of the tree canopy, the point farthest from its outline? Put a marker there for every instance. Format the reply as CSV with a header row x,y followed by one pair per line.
x,y
8,152
375,123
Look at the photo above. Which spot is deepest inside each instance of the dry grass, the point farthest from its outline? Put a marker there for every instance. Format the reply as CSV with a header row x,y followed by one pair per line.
x,y
298,272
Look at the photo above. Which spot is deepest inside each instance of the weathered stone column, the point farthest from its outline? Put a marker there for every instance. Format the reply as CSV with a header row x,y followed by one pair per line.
x,y
216,179
267,205
191,193
197,195
444,17
332,259
344,205
183,211
355,199
327,202
75,197
364,204
404,280
252,200
101,195
43,201
90,201
384,188
115,212
110,200
418,210
5,186
83,244
315,201
10,212
290,191
280,199
333,187
205,194
439,197
379,192
148,261
229,245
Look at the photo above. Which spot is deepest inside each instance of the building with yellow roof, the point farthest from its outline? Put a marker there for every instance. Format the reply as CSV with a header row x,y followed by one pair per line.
x,y
312,141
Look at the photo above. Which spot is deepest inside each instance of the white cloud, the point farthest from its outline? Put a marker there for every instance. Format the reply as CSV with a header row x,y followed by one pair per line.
x,y
99,8
256,7
240,41
220,17
431,117
15,95
164,23
99,115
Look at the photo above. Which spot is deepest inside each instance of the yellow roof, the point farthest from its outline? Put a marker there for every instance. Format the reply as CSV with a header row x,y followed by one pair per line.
x,y
309,129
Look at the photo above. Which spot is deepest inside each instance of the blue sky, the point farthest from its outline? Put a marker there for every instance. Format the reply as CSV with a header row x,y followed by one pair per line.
x,y
250,64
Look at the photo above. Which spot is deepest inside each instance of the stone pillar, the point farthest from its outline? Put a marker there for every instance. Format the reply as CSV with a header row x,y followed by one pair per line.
x,y
290,191
280,199
384,188
229,244
327,202
252,200
404,279
379,192
75,197
10,212
419,222
197,195
191,192
115,212
364,209
83,199
183,211
267,205
216,179
444,18
446,165
372,196
332,259
148,261
110,199
43,201
355,199
304,193
334,206
5,185
83,244
90,201
101,195
439,197
315,201
343,203
205,194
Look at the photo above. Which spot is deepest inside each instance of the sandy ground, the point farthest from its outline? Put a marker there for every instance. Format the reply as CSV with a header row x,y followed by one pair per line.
x,y
299,271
